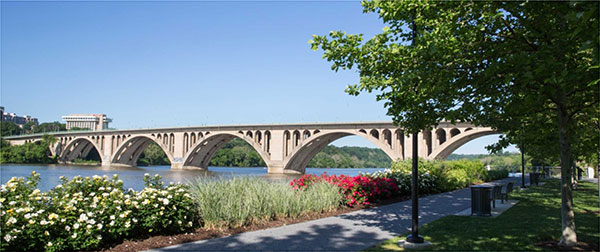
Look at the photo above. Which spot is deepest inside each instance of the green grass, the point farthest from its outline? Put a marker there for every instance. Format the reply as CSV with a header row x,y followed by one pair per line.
x,y
241,201
535,218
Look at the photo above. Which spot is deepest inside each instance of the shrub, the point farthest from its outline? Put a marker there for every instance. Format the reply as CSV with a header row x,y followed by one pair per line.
x,y
242,201
86,213
440,176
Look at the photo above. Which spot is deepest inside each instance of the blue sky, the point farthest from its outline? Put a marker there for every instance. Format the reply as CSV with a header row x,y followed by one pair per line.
x,y
165,64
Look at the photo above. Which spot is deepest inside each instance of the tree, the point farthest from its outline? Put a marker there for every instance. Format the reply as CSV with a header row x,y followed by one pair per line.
x,y
9,129
50,127
518,67
31,153
29,126
153,155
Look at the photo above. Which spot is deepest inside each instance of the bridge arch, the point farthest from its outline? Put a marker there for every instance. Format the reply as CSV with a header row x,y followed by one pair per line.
x,y
78,147
128,153
457,140
297,160
200,155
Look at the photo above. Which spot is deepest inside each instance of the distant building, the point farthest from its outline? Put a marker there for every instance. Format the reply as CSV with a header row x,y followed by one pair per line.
x,y
19,120
87,121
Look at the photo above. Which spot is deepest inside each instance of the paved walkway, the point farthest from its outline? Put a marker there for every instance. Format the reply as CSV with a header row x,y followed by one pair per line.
x,y
347,232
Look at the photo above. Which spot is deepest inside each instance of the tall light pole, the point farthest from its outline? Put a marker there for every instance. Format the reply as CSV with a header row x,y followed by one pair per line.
x,y
414,236
523,161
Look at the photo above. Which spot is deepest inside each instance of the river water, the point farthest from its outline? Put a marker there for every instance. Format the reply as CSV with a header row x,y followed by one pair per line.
x,y
133,176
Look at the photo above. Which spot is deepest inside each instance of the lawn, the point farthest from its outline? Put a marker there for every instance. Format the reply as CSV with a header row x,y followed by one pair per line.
x,y
535,219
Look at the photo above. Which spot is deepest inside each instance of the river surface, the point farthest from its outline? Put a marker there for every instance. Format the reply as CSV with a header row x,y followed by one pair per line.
x,y
133,176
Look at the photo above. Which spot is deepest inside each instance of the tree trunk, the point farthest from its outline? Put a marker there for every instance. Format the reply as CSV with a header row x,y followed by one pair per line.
x,y
569,236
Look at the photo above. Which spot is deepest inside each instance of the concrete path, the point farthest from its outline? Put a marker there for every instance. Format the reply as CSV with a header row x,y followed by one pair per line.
x,y
347,232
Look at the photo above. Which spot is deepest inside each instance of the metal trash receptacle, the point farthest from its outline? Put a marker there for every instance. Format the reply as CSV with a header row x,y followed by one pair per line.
x,y
480,200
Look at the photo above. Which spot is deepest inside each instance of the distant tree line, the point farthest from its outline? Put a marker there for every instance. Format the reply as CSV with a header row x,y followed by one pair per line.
x,y
350,157
29,153
12,129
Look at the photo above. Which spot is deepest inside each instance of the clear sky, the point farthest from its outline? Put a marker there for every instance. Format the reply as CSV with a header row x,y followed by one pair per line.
x,y
167,64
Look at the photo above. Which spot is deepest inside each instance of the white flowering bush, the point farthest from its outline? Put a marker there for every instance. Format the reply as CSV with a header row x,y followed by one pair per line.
x,y
87,213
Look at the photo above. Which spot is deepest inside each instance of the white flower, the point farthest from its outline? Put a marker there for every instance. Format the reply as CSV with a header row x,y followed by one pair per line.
x,y
74,235
49,244
7,237
46,233
83,218
101,188
27,216
68,228
127,224
12,220
43,222
93,194
88,226
99,237
76,225
112,223
90,214
165,201
112,217
99,226
134,220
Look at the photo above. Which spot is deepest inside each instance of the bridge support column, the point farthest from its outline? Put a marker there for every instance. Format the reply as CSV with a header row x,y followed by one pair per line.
x,y
177,165
275,168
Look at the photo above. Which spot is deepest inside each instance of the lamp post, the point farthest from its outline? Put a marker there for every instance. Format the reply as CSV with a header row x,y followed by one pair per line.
x,y
414,236
522,158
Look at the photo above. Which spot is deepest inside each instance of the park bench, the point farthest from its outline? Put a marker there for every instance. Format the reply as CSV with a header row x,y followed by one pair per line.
x,y
495,194
504,195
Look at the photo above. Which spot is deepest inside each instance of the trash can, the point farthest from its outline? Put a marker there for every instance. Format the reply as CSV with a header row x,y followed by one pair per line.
x,y
480,200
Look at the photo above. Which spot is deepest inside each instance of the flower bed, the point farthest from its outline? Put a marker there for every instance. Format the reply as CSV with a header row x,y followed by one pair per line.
x,y
357,190
86,213
434,177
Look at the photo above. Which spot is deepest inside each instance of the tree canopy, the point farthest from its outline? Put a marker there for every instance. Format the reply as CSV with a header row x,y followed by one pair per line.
x,y
527,69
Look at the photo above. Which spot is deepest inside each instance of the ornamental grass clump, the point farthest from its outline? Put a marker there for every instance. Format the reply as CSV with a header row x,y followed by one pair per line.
x,y
242,201
89,213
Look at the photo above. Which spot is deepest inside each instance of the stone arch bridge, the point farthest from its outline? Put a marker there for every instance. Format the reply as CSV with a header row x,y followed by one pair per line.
x,y
285,148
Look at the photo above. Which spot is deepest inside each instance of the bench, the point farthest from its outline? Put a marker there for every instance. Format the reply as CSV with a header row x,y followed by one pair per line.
x,y
504,195
495,194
